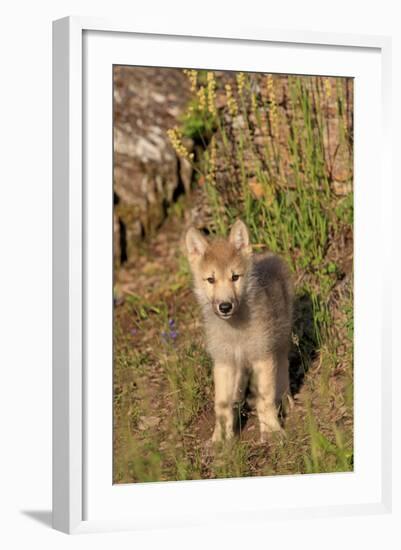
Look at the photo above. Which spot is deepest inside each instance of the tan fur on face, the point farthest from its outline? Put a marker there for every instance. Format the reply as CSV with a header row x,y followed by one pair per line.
x,y
253,341
221,261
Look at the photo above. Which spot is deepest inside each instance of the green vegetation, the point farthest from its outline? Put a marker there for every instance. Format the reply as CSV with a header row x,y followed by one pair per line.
x,y
277,152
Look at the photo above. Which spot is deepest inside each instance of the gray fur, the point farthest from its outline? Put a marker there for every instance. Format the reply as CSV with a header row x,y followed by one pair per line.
x,y
254,340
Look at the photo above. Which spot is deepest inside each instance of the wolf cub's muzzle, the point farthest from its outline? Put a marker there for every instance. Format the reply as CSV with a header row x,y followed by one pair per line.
x,y
225,307
225,310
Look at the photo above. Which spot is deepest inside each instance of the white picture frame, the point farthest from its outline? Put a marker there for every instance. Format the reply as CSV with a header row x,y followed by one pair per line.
x,y
72,419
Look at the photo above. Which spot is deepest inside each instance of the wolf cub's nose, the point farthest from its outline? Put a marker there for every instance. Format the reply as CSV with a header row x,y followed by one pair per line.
x,y
225,307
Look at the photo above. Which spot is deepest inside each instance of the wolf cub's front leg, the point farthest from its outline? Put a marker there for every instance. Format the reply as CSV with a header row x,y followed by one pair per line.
x,y
224,383
265,373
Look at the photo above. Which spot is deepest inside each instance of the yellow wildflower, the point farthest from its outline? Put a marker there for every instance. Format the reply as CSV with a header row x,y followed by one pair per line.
x,y
192,76
212,168
240,82
231,103
202,98
211,93
175,138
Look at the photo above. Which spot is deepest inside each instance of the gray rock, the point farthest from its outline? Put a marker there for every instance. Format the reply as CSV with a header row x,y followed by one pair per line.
x,y
146,169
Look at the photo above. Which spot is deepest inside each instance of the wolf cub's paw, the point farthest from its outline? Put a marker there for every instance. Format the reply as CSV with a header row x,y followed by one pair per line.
x,y
287,404
277,432
219,436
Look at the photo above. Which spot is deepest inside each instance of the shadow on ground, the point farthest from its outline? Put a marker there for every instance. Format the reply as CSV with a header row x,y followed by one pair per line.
x,y
41,516
304,346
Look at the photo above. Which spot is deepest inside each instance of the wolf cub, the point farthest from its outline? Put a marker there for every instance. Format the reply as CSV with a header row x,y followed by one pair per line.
x,y
246,301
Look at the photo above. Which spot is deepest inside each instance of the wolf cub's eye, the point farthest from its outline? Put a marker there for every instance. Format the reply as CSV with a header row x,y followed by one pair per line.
x,y
235,277
210,280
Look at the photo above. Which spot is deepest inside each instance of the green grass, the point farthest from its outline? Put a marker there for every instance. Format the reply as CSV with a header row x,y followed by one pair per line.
x,y
274,164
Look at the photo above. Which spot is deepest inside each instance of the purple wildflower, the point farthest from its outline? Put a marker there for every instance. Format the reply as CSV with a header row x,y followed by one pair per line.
x,y
134,331
171,323
173,334
118,300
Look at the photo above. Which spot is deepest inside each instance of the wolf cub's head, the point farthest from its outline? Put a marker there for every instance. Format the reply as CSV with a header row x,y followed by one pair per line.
x,y
220,268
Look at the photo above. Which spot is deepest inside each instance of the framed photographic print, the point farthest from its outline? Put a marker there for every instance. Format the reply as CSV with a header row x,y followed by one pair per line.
x,y
219,337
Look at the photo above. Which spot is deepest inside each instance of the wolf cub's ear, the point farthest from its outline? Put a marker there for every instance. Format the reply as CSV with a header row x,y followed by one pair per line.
x,y
239,237
196,244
